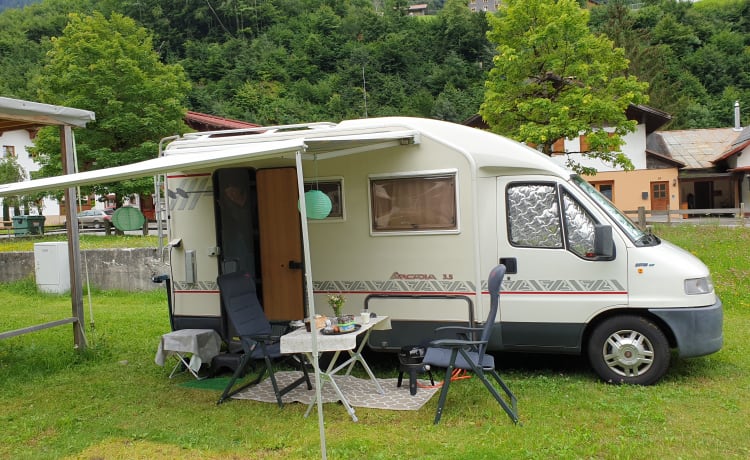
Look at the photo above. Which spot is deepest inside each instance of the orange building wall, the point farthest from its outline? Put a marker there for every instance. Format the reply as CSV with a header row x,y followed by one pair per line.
x,y
629,185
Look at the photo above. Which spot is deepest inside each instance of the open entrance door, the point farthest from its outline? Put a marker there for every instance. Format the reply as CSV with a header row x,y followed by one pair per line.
x,y
259,233
280,235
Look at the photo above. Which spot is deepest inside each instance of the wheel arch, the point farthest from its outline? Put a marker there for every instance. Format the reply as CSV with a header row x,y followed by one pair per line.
x,y
641,312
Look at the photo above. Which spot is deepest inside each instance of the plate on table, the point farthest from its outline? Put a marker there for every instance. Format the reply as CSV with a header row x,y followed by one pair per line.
x,y
356,328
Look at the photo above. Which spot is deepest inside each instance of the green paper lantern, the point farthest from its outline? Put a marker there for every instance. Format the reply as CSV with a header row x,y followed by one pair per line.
x,y
128,218
317,204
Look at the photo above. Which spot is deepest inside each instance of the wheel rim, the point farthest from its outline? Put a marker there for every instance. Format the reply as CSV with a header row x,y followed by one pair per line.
x,y
628,353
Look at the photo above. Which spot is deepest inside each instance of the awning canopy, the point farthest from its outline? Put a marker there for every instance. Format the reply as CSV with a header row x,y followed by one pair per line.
x,y
160,165
201,157
18,114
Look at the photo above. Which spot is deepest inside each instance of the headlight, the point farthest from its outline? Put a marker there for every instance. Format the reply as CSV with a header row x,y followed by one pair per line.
x,y
694,286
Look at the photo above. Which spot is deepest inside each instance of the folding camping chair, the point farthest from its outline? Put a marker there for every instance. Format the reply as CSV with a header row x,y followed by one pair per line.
x,y
245,313
469,354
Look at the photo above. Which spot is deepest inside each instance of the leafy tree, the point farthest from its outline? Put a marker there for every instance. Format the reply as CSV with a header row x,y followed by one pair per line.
x,y
24,40
555,79
109,66
11,172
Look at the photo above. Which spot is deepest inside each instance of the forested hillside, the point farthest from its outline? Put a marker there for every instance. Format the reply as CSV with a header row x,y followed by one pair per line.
x,y
287,61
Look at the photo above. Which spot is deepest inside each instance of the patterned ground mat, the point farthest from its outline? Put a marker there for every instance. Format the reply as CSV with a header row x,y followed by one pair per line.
x,y
359,392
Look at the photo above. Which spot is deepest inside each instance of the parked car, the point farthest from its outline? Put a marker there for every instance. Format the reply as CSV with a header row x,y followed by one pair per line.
x,y
94,217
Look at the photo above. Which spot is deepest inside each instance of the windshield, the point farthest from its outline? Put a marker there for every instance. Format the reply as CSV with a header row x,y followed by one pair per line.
x,y
638,236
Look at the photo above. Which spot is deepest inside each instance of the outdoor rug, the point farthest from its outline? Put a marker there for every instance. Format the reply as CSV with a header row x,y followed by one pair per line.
x,y
359,392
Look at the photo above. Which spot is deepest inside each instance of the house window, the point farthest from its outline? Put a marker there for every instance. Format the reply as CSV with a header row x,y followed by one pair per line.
x,y
414,203
584,144
332,188
659,190
606,188
9,151
559,146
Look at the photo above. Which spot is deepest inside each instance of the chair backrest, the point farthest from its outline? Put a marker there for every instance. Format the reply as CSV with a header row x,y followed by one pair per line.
x,y
241,304
494,282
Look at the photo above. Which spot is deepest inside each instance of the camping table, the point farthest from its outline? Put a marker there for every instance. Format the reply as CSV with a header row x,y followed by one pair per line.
x,y
300,341
202,344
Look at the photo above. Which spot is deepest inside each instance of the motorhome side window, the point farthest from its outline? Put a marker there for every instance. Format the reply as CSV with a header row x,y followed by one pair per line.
x,y
332,188
579,228
533,216
535,220
414,203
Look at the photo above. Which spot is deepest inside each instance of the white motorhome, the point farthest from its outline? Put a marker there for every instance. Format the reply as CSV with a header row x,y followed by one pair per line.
x,y
421,211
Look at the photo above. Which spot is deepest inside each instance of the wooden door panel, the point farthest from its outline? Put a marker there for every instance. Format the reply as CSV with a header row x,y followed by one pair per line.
x,y
659,196
280,243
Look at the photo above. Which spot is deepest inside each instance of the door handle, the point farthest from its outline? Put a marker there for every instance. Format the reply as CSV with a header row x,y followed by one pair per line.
x,y
511,265
294,265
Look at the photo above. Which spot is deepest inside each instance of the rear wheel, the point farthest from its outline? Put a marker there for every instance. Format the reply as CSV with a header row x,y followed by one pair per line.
x,y
629,349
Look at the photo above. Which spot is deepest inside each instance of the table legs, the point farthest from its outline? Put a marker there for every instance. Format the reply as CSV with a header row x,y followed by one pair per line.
x,y
188,365
355,357
327,376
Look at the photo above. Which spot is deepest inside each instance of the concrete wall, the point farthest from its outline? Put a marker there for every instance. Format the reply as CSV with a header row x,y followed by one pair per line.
x,y
123,269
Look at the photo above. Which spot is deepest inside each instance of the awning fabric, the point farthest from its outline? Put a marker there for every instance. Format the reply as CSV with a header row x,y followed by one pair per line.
x,y
191,157
161,165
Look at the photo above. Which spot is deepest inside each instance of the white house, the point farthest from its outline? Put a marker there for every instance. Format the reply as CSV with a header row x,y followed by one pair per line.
x,y
15,143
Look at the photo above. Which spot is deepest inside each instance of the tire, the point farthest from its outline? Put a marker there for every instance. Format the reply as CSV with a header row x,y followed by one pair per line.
x,y
96,225
629,349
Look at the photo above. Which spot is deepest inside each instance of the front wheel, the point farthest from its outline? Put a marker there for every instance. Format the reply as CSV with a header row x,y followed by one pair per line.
x,y
629,349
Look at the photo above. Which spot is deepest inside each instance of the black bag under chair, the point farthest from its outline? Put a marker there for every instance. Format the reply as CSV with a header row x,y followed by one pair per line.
x,y
467,353
256,335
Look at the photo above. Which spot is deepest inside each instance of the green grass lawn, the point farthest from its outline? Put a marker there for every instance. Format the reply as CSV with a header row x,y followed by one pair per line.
x,y
113,401
86,241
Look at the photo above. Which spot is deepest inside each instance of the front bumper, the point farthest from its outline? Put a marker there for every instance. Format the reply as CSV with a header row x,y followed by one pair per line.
x,y
697,330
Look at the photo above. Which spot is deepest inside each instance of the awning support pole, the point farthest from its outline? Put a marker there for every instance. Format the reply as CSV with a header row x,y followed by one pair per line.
x,y
307,264
74,249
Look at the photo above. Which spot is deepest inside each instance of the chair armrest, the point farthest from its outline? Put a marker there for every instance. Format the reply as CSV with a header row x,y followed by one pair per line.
x,y
458,328
265,338
452,343
462,332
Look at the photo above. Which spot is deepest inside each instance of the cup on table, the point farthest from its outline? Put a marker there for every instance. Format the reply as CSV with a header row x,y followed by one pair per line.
x,y
365,317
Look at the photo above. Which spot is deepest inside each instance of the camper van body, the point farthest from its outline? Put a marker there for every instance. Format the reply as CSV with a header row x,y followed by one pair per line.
x,y
422,210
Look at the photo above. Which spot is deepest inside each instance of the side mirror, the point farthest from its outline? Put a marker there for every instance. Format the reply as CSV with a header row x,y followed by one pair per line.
x,y
603,245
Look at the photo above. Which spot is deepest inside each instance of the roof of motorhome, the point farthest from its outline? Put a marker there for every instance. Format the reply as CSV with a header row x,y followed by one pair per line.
x,y
484,149
205,151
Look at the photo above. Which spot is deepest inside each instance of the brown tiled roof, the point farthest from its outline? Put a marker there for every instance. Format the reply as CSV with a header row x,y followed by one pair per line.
x,y
697,148
740,143
652,118
665,159
205,122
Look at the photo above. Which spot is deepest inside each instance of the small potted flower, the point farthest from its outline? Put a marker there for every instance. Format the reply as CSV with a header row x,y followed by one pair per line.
x,y
336,301
345,322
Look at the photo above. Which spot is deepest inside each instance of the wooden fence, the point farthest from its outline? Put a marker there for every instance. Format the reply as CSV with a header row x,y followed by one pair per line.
x,y
730,216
